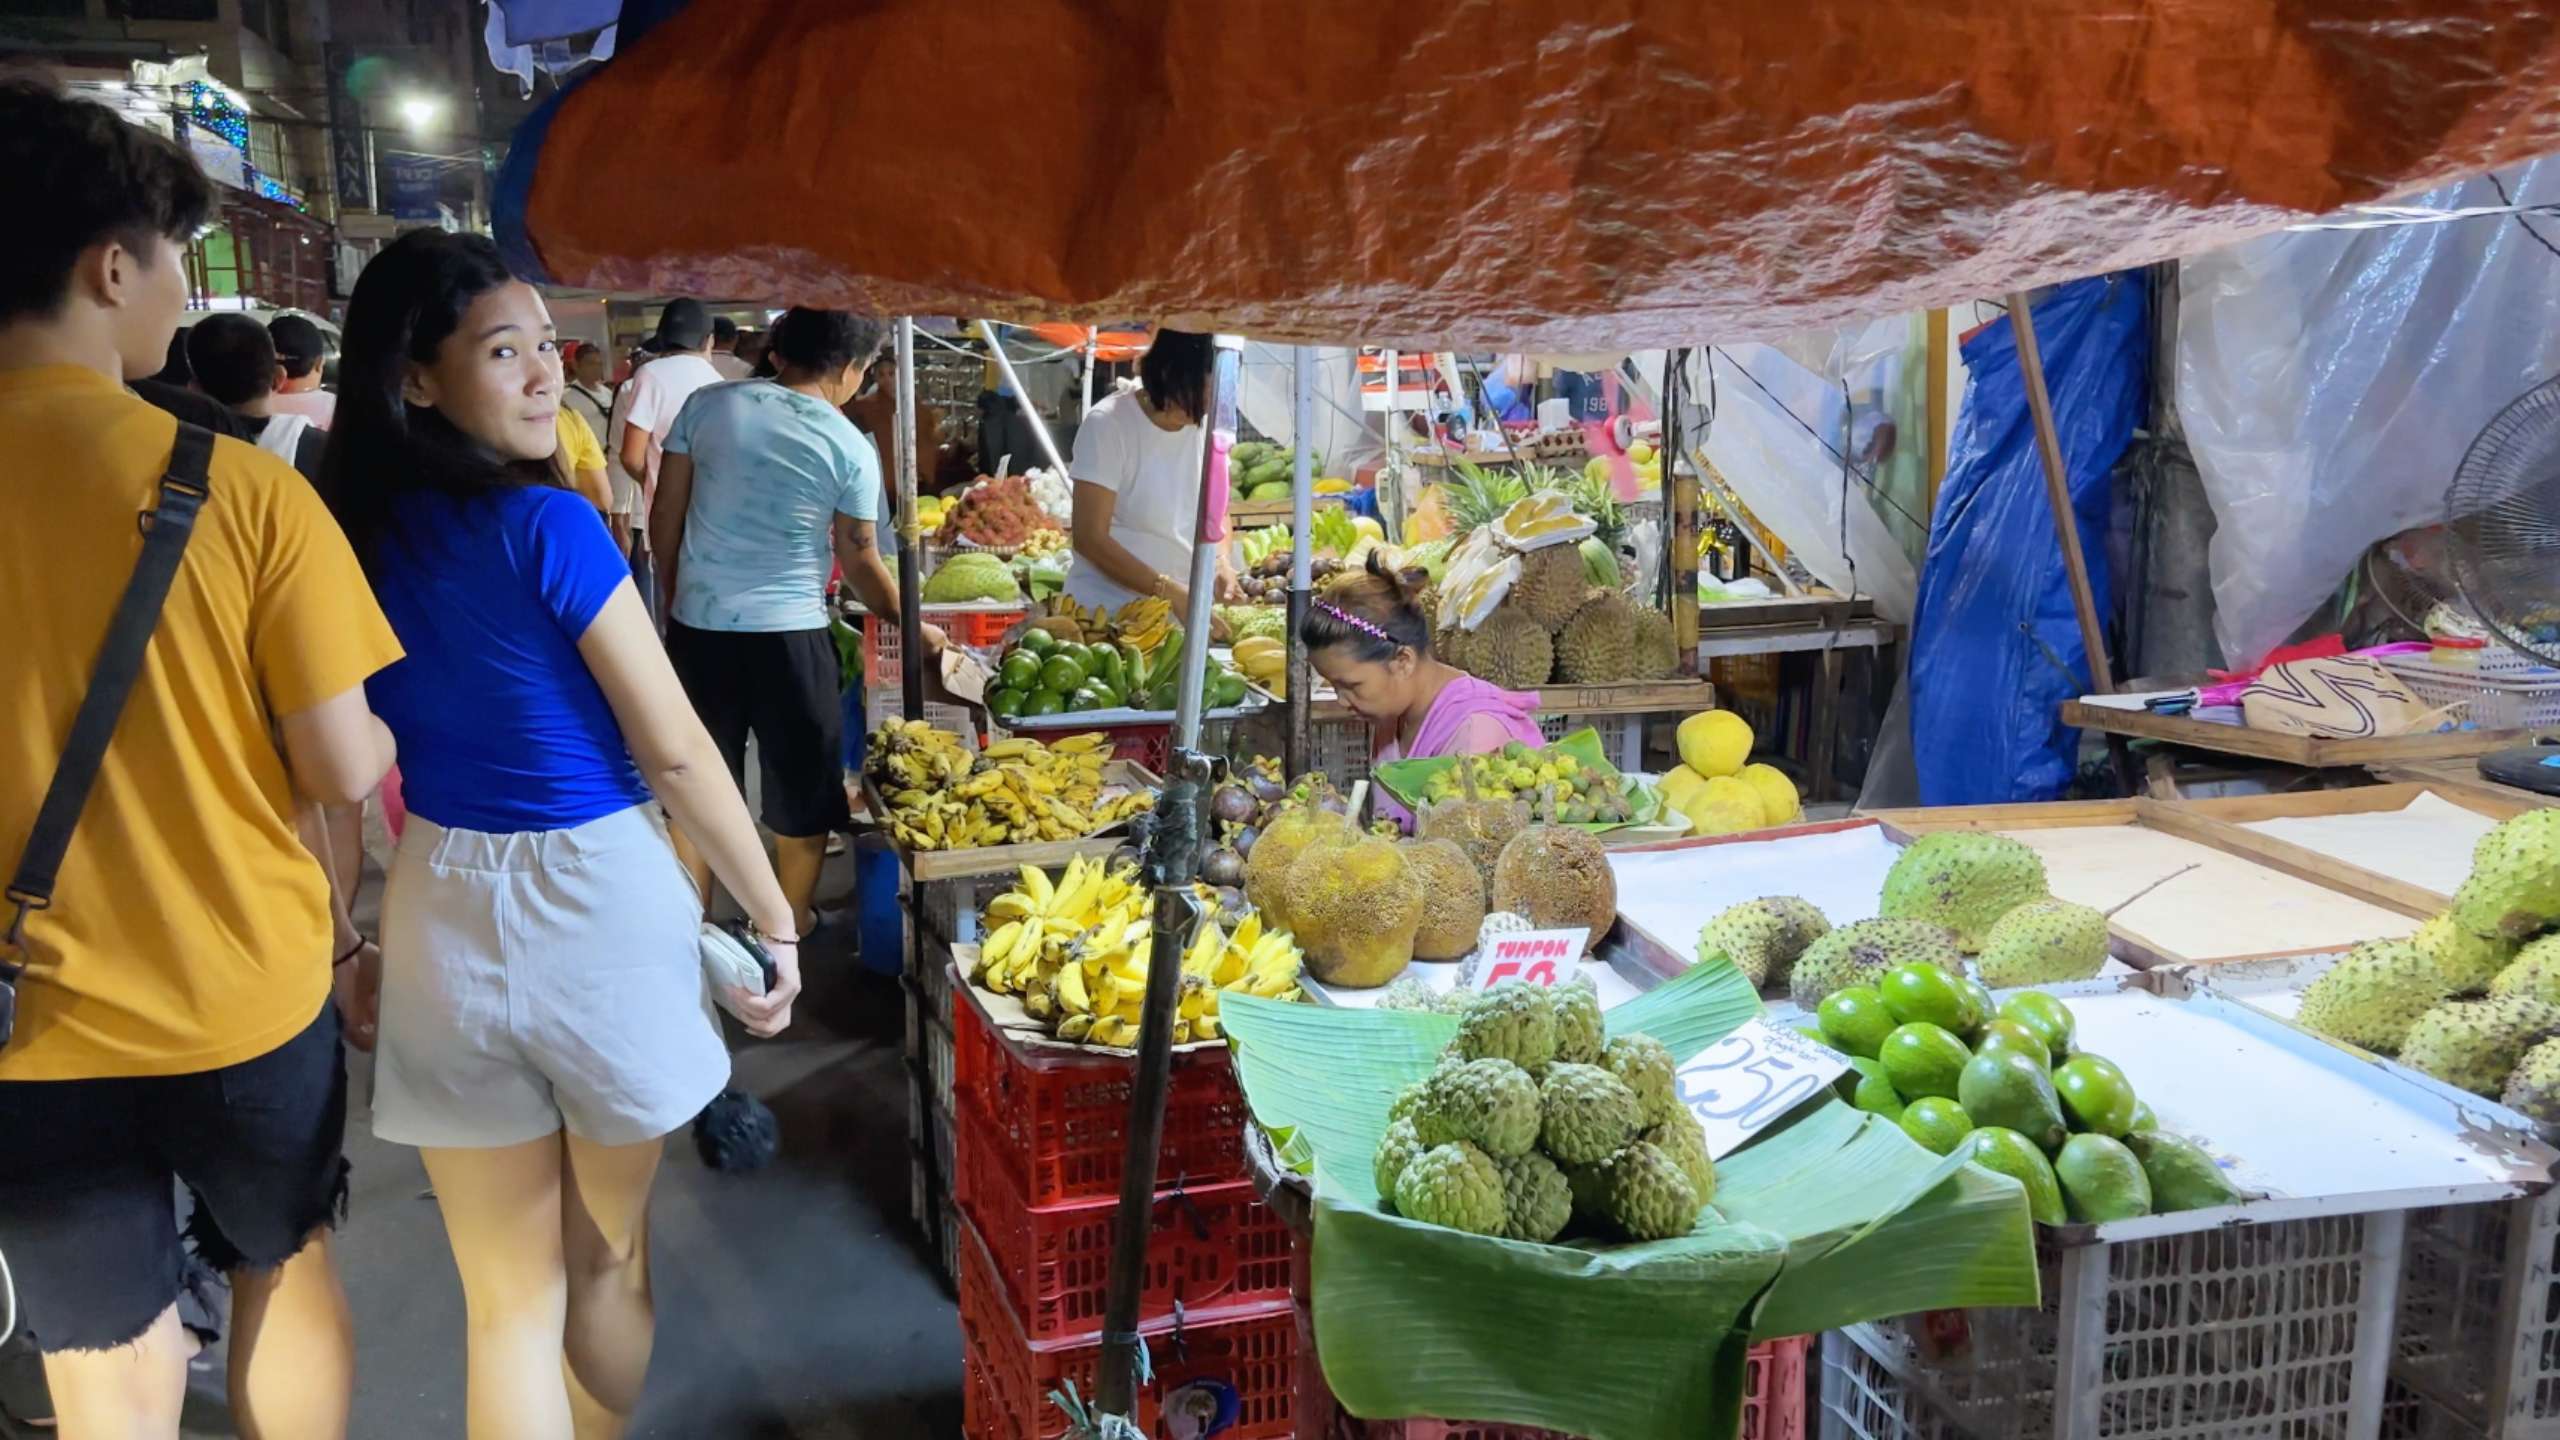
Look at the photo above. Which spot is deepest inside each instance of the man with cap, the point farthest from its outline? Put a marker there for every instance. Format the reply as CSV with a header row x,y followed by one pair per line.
x,y
301,352
658,391
724,350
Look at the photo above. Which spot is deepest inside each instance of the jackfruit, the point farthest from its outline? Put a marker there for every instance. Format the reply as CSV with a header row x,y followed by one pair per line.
x,y
1551,585
2044,942
2534,973
1585,1114
1644,1065
1455,1186
1452,899
1685,1141
1354,909
1536,1202
1397,1150
1511,650
1513,1021
1558,877
1645,1194
1580,1030
1860,954
2373,994
1964,880
1599,643
2467,961
1479,827
2514,886
1657,658
1491,1104
1763,937
2533,1087
2475,1044
1266,870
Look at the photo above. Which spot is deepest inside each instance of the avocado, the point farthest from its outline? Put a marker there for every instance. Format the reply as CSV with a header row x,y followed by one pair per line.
x,y
2009,1153
2095,1095
2182,1175
2101,1180
2011,1091
1923,1059
1865,1086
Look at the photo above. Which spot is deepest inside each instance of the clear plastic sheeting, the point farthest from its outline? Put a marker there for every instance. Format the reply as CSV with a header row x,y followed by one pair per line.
x,y
1343,441
1996,649
2329,382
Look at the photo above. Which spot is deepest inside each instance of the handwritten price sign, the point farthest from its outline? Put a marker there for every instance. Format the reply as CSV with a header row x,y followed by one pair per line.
x,y
1541,957
1752,1078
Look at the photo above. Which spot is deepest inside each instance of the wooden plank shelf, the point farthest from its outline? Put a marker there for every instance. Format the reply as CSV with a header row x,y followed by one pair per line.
x,y
2307,751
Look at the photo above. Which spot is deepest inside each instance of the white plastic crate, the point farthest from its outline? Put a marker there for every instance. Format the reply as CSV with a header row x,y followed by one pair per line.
x,y
2408,1415
1863,1399
2479,1330
2280,1328
1621,736
1339,750
2501,697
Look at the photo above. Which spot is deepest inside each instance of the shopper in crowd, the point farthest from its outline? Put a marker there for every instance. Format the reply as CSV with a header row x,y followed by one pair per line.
x,y
545,1020
581,463
1137,482
173,1017
767,487
724,350
679,364
751,351
587,397
235,364
302,355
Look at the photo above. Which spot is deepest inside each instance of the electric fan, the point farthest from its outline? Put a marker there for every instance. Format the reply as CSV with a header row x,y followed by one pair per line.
x,y
2502,522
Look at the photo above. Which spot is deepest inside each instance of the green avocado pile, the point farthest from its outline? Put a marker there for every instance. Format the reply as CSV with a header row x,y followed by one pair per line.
x,y
1039,674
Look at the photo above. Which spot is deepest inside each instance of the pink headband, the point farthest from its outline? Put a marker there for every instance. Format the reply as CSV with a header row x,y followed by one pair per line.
x,y
1354,621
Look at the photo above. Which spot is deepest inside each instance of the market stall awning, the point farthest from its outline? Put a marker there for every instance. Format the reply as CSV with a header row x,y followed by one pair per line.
x,y
1553,174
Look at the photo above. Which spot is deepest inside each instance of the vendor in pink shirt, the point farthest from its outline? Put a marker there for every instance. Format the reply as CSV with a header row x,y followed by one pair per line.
x,y
302,353
1368,639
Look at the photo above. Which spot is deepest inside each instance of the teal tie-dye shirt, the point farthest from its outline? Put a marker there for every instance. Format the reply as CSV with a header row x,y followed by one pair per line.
x,y
772,468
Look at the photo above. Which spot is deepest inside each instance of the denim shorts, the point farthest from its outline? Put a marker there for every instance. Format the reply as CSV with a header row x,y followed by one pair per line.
x,y
88,1210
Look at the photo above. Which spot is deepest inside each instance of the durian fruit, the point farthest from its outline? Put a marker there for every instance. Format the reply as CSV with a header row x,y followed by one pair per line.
x,y
1645,1194
2468,962
1858,954
1557,876
2476,1044
1361,904
1490,1104
2514,886
1585,1114
1763,937
1580,1031
1451,646
1599,643
1266,870
2373,994
1536,1202
2044,942
1452,899
2534,973
1962,879
1551,585
1510,649
1316,858
1514,1021
1455,1186
1656,657
2533,1087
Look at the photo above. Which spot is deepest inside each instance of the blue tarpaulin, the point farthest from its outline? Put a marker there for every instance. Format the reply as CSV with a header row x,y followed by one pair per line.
x,y
1995,645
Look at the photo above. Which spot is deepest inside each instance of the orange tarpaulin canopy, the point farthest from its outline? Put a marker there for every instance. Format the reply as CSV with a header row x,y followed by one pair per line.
x,y
1533,174
1113,345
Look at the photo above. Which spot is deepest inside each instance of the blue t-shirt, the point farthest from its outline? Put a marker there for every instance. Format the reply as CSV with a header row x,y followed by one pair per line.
x,y
772,468
501,726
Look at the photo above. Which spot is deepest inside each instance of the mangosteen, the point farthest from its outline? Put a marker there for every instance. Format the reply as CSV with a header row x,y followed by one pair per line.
x,y
1232,803
1223,867
1243,839
1267,788
1231,902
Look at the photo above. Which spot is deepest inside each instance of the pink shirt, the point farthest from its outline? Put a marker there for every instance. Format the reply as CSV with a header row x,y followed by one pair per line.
x,y
317,406
1468,717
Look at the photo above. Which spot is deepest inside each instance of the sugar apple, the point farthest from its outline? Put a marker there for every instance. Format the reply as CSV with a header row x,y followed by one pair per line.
x,y
1407,1101
1644,1064
2476,1044
1454,1185
1395,1151
1579,1029
2373,994
1513,1021
1490,1104
1645,1195
1685,1141
1586,1114
1536,1202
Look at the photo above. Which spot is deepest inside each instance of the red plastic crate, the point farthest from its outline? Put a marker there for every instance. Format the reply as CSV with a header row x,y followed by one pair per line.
x,y
978,629
1059,1121
1148,745
1009,1376
1216,1250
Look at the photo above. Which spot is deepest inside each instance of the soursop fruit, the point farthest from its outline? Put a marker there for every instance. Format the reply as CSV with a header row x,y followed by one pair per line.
x,y
2533,1087
2044,942
1964,880
1455,1186
1513,1021
1763,937
1859,954
1490,1104
1685,1141
1645,1194
2534,973
2373,994
1397,1150
1537,1203
2476,1044
1644,1065
1599,643
1586,1114
2514,886
2467,961
1580,1031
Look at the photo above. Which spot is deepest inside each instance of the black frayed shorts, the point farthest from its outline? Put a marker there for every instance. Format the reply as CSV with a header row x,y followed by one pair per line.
x,y
783,687
89,1168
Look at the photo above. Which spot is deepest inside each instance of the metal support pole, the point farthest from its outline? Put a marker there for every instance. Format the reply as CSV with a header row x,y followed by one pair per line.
x,y
910,537
1039,427
1685,477
1298,743
1172,860
1092,345
2057,492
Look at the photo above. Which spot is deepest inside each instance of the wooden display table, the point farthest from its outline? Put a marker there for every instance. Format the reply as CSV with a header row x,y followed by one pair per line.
x,y
2309,752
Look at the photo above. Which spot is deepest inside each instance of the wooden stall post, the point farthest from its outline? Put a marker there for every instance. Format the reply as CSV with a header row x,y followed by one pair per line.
x,y
2057,491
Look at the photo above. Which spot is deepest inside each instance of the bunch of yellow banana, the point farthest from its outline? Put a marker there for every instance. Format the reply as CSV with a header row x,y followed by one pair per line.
x,y
1017,790
1265,662
1144,623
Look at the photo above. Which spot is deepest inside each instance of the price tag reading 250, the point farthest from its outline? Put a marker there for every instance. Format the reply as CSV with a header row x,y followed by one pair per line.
x,y
1751,1079
1541,957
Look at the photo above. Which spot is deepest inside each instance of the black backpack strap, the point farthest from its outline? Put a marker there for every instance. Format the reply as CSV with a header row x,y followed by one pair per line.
x,y
165,530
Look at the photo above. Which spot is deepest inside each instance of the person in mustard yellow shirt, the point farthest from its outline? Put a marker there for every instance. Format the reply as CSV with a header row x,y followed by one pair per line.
x,y
581,460
174,1015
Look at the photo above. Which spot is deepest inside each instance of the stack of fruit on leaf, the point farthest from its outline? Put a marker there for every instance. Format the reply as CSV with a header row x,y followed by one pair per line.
x,y
2003,1082
1538,1124
1532,596
1039,674
2473,998
1717,788
1265,662
971,576
996,514
1077,949
1556,783
943,797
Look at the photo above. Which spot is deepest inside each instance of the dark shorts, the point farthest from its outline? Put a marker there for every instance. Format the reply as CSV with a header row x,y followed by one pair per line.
x,y
784,688
89,1170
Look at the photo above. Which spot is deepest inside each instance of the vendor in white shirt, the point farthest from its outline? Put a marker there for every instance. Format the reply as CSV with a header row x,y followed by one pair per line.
x,y
1137,478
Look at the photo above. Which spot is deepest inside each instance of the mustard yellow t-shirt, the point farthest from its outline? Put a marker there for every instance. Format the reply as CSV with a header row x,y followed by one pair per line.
x,y
578,443
190,929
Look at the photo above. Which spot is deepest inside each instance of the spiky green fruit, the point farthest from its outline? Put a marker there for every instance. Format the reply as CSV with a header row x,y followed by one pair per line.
x,y
2468,962
1645,1194
1586,1114
2373,994
1645,1066
2514,886
2044,942
2533,1087
1513,1021
1490,1104
2534,973
1395,1151
1537,1203
2476,1044
1455,1186
1685,1141
1860,954
1763,937
1962,879
1580,1031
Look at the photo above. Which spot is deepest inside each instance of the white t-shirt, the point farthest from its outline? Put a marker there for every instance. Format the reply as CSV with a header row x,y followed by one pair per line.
x,y
652,401
1156,474
730,366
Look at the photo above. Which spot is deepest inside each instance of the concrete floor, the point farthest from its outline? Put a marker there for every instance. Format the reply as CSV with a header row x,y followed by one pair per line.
x,y
793,1304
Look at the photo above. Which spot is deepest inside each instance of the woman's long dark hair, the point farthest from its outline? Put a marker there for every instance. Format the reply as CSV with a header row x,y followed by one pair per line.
x,y
407,302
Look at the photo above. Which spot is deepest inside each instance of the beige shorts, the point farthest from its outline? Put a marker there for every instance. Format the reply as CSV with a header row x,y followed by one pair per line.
x,y
535,980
